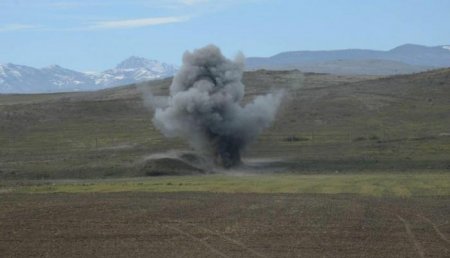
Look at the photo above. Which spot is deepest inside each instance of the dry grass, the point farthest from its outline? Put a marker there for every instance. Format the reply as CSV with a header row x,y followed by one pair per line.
x,y
374,184
345,123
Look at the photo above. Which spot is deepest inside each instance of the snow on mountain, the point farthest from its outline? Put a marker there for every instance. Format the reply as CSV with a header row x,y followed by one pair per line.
x,y
446,47
64,79
25,79
135,69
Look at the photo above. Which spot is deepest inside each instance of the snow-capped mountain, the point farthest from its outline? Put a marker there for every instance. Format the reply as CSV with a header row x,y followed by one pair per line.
x,y
135,69
25,79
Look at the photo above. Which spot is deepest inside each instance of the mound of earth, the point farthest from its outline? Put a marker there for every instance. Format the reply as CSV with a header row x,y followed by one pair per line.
x,y
169,167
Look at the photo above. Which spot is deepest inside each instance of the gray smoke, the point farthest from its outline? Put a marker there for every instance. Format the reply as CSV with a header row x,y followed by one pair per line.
x,y
204,106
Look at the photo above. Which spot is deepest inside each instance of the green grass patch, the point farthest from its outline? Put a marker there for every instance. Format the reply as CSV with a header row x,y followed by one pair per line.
x,y
399,185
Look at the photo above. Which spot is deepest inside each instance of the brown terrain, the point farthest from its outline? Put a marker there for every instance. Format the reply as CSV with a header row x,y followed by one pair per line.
x,y
222,225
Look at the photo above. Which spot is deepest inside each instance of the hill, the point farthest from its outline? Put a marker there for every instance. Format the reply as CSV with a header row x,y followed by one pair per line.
x,y
375,67
326,123
408,58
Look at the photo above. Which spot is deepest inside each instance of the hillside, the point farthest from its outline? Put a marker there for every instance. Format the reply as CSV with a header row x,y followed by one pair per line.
x,y
375,67
326,123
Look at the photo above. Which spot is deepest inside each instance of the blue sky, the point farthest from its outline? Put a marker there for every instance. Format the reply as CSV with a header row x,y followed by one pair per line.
x,y
94,35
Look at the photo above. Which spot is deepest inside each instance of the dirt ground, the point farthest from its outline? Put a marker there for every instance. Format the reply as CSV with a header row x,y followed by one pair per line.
x,y
222,225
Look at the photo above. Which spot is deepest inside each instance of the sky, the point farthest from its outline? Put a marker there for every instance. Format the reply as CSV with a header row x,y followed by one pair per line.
x,y
94,35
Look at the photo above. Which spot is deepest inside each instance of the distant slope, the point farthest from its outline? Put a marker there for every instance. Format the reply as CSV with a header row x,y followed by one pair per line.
x,y
353,67
25,79
404,59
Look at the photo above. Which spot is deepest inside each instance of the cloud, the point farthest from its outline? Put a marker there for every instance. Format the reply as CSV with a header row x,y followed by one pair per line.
x,y
193,2
136,23
17,27
72,5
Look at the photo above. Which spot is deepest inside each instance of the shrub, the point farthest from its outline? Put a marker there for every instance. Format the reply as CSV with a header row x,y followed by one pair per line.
x,y
295,139
359,139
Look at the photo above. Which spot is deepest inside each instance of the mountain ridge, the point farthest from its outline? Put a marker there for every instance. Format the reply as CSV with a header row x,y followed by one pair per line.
x,y
54,78
409,58
404,59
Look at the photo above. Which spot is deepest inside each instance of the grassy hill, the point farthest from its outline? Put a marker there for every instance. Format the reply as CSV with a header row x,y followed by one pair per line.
x,y
326,123
400,122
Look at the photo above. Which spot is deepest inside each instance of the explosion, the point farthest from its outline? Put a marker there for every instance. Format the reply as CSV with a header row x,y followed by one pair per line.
x,y
204,107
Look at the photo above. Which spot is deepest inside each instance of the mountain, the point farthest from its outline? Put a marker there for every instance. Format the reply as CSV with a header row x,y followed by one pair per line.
x,y
404,59
25,79
135,69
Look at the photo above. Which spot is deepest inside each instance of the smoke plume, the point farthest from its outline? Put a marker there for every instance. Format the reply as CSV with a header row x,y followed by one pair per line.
x,y
204,106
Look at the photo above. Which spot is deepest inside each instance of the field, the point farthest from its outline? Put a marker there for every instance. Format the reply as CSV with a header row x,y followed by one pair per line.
x,y
286,215
371,184
354,166
172,217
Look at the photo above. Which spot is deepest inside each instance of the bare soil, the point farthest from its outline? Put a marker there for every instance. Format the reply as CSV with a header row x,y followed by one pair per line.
x,y
139,224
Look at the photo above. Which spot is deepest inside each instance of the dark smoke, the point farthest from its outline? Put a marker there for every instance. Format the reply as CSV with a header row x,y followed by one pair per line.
x,y
205,108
